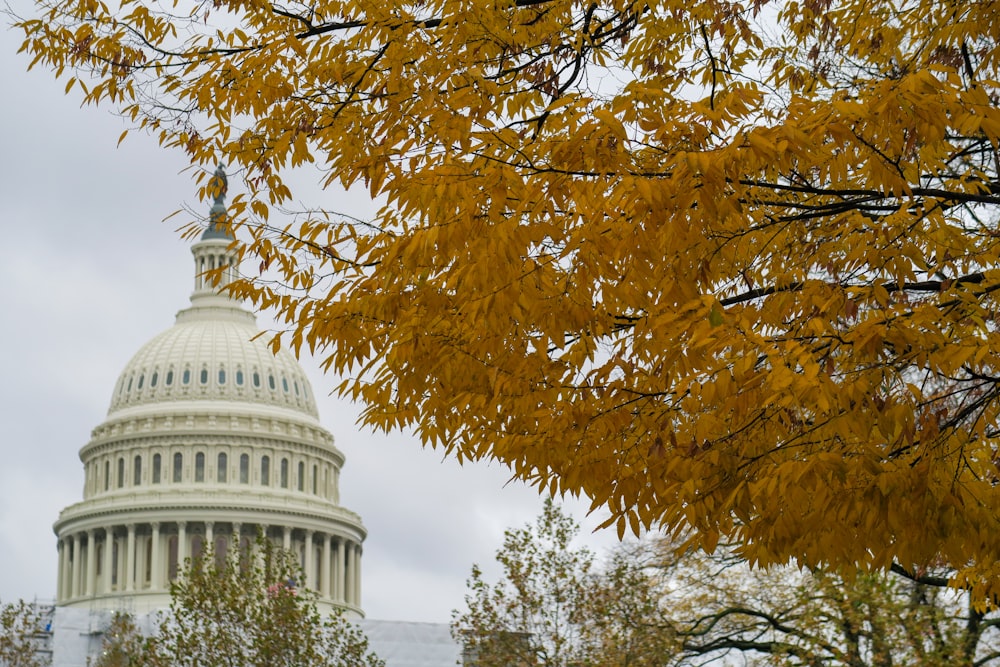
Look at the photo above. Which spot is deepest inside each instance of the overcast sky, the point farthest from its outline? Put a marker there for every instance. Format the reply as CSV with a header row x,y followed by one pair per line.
x,y
89,271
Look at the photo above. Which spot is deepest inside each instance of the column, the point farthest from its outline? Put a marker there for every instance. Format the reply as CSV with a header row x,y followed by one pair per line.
x,y
67,571
338,578
286,539
357,574
154,566
182,545
91,563
130,559
325,590
74,586
352,565
61,559
109,546
310,570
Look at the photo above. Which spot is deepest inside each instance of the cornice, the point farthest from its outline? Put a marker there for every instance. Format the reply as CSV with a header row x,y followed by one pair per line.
x,y
91,516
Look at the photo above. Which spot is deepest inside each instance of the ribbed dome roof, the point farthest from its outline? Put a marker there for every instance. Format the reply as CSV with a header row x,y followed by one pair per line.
x,y
212,354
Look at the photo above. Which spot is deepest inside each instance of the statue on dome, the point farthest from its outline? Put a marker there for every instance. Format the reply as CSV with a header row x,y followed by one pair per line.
x,y
219,184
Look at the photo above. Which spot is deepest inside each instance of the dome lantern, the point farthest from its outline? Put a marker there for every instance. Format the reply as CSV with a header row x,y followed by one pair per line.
x,y
213,252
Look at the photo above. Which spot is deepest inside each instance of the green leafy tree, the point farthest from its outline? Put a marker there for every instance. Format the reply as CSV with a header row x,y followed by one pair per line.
x,y
20,627
655,604
530,617
552,607
242,611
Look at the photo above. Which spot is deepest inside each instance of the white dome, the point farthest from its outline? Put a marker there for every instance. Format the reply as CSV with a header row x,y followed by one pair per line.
x,y
212,353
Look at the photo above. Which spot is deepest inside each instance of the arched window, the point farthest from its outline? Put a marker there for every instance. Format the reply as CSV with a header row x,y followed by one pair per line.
x,y
178,466
170,377
256,379
152,379
302,476
315,476
199,467
204,376
121,472
137,471
284,473
284,384
221,550
270,382
244,469
107,475
222,376
239,377
197,546
156,468
172,560
141,378
265,470
186,376
220,472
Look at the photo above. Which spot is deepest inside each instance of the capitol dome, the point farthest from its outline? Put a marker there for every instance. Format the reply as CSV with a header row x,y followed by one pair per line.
x,y
210,440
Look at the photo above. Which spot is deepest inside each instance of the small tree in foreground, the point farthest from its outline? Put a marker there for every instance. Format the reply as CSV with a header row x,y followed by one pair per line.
x,y
242,611
654,604
19,623
554,608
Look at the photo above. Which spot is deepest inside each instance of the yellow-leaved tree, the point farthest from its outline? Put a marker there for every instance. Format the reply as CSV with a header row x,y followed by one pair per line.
x,y
726,266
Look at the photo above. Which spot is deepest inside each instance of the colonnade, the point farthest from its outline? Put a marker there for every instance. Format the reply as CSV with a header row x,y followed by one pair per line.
x,y
146,557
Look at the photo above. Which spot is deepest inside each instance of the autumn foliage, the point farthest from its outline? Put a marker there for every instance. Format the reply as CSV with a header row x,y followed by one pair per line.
x,y
726,267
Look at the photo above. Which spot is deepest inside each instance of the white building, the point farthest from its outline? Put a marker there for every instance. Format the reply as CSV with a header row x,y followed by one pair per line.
x,y
211,438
